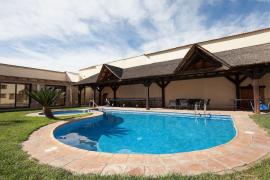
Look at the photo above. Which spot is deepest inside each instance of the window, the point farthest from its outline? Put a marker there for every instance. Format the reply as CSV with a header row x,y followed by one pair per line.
x,y
3,86
11,96
14,95
9,100
22,99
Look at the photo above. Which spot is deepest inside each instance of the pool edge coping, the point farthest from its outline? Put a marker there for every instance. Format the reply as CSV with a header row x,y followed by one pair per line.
x,y
65,146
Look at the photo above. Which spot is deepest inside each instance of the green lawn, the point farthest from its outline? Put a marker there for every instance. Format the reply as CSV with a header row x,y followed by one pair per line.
x,y
15,127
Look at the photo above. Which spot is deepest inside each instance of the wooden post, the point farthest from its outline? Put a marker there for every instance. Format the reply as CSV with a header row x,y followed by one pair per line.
x,y
162,85
237,82
114,88
94,98
163,96
99,98
257,74
94,93
100,88
147,85
147,98
84,94
79,95
237,91
256,95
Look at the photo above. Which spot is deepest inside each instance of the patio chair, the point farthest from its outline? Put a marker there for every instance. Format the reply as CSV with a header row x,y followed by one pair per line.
x,y
172,104
191,103
263,106
201,103
208,102
183,103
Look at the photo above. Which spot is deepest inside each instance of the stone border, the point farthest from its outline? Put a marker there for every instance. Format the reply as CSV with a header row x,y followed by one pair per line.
x,y
250,145
37,114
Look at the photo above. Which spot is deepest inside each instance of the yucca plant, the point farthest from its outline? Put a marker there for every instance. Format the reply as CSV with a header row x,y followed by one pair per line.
x,y
46,97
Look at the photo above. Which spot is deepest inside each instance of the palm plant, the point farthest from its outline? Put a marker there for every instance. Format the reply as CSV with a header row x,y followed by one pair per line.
x,y
46,97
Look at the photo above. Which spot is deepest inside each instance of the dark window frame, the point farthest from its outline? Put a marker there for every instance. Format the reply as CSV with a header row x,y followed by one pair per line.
x,y
15,93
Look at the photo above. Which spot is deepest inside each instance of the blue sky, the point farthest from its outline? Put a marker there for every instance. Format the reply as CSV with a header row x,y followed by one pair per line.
x,y
67,35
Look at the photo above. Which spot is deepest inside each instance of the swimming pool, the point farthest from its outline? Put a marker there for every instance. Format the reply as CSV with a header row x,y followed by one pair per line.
x,y
136,132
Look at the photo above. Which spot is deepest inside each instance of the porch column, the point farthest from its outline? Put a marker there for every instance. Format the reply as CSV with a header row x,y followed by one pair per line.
x,y
237,82
114,88
147,85
256,74
68,98
79,95
94,98
162,85
256,95
100,88
84,94
94,93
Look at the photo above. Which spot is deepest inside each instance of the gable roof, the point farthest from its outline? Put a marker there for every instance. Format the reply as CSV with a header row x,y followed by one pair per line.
x,y
259,54
117,71
199,59
109,72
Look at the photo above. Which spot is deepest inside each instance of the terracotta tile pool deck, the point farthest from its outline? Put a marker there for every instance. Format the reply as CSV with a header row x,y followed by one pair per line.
x,y
250,145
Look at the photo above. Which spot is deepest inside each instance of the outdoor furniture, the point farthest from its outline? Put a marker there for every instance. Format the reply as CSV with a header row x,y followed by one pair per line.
x,y
208,102
182,103
191,103
263,106
172,104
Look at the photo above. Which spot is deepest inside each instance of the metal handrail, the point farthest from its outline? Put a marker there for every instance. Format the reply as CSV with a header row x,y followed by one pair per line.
x,y
94,104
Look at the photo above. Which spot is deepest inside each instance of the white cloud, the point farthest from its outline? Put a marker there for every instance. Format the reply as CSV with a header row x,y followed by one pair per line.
x,y
68,35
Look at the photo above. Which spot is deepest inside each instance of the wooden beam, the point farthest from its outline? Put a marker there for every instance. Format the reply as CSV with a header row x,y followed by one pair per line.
x,y
166,83
231,79
256,95
257,72
242,79
148,82
159,83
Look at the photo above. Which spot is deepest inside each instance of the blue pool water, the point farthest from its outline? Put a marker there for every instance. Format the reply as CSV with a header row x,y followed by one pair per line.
x,y
147,132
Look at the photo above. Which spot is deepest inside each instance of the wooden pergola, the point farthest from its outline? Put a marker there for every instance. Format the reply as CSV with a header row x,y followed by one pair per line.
x,y
198,63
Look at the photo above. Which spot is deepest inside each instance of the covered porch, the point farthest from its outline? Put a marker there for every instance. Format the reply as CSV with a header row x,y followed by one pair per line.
x,y
200,75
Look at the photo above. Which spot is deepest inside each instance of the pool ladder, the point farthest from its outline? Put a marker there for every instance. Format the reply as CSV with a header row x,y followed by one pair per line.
x,y
93,103
204,110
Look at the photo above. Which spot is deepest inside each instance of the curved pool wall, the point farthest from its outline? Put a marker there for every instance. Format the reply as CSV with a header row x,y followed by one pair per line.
x,y
134,132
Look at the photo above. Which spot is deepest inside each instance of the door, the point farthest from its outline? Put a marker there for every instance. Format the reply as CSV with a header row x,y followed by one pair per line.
x,y
246,96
